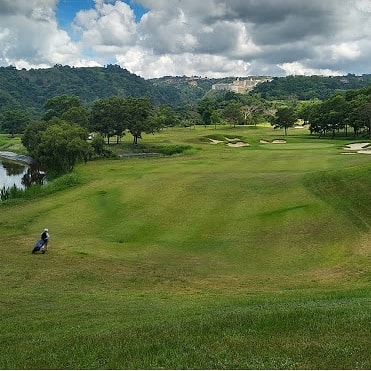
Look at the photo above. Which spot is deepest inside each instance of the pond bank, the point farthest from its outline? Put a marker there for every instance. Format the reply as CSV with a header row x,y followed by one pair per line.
x,y
16,157
18,171
144,154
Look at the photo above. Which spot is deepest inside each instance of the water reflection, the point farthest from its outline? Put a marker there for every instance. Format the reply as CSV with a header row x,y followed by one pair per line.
x,y
34,175
13,168
19,174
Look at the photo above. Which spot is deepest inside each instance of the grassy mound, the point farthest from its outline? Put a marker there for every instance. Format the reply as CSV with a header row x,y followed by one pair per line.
x,y
348,191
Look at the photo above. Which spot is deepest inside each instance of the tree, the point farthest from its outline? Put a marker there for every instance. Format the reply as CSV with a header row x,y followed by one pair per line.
x,y
60,104
205,108
304,110
340,111
249,111
109,117
98,144
14,122
77,115
61,146
315,121
365,113
233,113
285,117
359,112
354,119
32,135
163,116
138,111
335,109
215,118
189,116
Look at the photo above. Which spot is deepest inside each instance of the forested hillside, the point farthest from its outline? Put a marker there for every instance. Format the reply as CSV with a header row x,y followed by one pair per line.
x,y
310,87
28,90
189,88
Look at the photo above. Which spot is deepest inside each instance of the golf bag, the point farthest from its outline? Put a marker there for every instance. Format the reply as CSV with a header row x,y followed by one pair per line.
x,y
38,245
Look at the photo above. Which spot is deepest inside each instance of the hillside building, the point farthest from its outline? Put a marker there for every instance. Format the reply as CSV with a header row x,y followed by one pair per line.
x,y
238,86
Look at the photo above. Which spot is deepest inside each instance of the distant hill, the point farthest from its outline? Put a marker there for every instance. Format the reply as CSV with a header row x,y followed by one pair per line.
x,y
182,90
189,89
30,89
310,87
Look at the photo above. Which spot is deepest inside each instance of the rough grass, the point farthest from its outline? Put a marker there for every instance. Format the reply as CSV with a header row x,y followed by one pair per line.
x,y
11,144
226,258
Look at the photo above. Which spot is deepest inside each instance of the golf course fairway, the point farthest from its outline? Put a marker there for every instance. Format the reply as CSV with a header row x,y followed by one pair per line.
x,y
252,256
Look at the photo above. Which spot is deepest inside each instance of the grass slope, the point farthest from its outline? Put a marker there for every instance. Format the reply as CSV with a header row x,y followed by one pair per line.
x,y
237,258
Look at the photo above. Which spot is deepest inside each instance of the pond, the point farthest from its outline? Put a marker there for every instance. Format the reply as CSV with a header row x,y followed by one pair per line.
x,y
20,171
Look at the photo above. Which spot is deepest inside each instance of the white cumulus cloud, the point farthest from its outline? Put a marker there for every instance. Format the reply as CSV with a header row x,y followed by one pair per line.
x,y
183,37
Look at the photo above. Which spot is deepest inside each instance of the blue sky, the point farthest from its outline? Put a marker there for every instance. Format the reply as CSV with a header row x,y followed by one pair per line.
x,y
67,9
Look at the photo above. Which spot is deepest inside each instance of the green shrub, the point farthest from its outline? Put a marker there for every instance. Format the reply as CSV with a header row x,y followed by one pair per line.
x,y
170,150
39,190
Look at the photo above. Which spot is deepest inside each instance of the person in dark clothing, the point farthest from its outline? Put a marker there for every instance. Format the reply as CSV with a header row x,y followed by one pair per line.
x,y
45,237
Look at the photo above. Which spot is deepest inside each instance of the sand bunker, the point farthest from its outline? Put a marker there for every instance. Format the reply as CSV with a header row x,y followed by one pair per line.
x,y
279,141
238,144
232,142
276,141
363,148
357,146
214,141
233,139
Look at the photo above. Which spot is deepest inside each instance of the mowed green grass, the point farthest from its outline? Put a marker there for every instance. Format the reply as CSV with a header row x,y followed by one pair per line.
x,y
254,257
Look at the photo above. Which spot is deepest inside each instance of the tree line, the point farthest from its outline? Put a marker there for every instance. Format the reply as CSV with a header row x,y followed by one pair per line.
x,y
339,114
310,87
59,139
343,112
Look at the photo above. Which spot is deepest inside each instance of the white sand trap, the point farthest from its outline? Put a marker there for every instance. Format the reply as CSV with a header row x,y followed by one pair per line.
x,y
233,139
238,144
279,141
263,141
298,127
356,146
214,141
365,151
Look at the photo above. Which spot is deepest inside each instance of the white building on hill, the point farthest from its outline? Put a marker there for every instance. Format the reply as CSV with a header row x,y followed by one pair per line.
x,y
238,86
